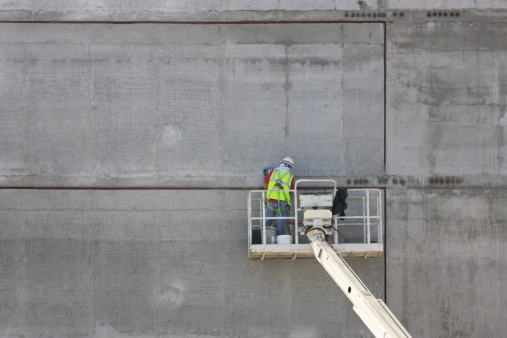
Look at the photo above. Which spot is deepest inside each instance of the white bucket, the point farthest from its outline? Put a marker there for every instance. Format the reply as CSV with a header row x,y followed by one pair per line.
x,y
284,239
270,235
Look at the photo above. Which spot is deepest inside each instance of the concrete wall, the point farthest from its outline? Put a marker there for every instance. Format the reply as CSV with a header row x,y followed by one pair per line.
x,y
130,137
157,103
88,263
446,129
445,261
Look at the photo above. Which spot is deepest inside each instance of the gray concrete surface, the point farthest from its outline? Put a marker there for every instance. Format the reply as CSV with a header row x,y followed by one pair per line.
x,y
445,261
108,263
446,122
151,103
146,137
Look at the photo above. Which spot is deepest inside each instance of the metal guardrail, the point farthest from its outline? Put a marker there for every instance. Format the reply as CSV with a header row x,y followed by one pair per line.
x,y
365,209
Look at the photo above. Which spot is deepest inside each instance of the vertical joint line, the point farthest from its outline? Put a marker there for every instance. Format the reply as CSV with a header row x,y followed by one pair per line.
x,y
385,95
286,91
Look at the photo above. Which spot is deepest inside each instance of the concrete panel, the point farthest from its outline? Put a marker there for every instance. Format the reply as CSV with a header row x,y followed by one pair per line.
x,y
156,263
188,102
444,119
445,261
286,34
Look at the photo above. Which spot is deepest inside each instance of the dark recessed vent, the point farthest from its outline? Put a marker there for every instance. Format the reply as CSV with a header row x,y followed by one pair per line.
x,y
442,14
368,14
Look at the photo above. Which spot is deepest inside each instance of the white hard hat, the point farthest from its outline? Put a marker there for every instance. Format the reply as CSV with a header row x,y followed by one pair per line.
x,y
288,162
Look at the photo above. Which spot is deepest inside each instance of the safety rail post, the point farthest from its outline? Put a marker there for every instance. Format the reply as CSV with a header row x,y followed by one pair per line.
x,y
336,236
381,224
368,215
263,220
296,222
364,219
249,213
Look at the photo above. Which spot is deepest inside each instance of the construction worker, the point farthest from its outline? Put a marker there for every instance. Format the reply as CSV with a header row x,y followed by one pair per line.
x,y
278,182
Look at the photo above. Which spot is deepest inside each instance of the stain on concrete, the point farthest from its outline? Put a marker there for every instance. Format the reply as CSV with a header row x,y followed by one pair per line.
x,y
500,139
500,135
311,61
171,135
172,298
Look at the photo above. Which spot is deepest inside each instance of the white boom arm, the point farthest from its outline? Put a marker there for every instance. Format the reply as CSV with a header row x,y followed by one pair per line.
x,y
374,312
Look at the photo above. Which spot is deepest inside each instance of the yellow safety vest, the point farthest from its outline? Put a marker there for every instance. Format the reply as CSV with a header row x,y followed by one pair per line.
x,y
279,181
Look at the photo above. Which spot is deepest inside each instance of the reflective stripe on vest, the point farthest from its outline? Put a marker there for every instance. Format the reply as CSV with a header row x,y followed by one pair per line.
x,y
279,181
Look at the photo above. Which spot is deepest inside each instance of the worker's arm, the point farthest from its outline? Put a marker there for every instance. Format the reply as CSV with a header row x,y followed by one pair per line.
x,y
266,179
